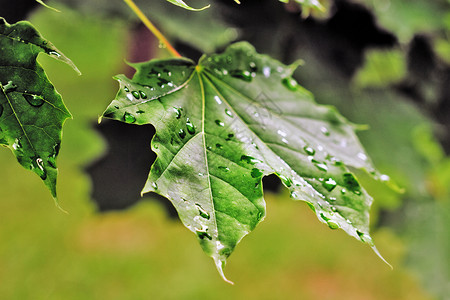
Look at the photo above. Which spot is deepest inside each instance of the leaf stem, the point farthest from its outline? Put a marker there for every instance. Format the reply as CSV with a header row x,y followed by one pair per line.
x,y
162,39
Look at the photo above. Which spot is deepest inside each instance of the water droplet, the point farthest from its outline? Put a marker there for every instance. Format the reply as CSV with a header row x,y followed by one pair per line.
x,y
38,167
219,146
329,184
294,195
242,74
309,150
34,100
217,98
155,185
383,177
9,87
190,127
321,166
1,110
230,136
177,112
143,95
287,181
226,169
333,225
182,133
126,89
208,147
365,238
54,53
252,66
250,159
325,131
203,234
343,191
129,118
229,113
350,182
266,72
362,156
282,133
140,112
203,213
220,123
256,173
290,83
135,94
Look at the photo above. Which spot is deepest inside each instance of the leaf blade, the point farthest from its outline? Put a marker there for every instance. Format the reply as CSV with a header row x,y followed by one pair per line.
x,y
32,111
226,123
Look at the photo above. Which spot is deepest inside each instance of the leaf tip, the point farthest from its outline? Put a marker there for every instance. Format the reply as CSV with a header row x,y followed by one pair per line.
x,y
219,265
55,199
381,257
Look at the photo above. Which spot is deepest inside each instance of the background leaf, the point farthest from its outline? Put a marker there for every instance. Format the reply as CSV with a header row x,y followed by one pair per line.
x,y
31,111
227,122
185,6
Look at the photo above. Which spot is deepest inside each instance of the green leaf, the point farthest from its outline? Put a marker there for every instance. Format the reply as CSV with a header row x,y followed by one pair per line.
x,y
185,6
31,111
309,6
224,124
43,4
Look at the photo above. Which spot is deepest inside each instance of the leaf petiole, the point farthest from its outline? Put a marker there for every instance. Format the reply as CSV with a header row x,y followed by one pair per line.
x,y
162,39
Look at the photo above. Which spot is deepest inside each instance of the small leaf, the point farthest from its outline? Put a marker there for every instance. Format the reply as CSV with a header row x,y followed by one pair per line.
x,y
185,6
42,3
224,124
31,110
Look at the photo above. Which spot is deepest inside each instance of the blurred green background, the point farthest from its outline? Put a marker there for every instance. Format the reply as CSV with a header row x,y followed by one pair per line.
x,y
142,253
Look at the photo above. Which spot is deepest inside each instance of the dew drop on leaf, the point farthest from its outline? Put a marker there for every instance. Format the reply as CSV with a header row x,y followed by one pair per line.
x,y
143,95
226,169
190,127
219,146
220,123
332,225
203,234
249,159
182,133
321,166
290,83
34,100
287,181
252,66
309,150
329,184
351,182
229,113
135,94
325,131
38,168
177,112
242,74
256,173
203,213
154,185
129,118
9,87
126,89
266,72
